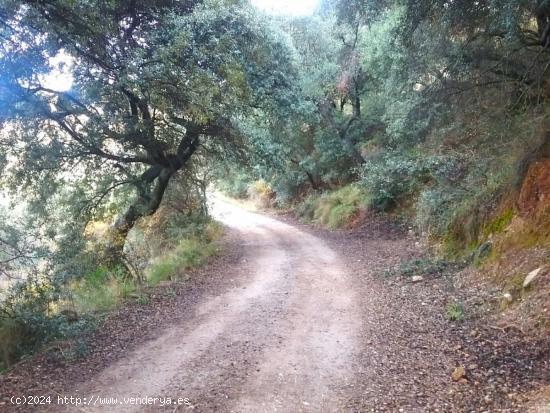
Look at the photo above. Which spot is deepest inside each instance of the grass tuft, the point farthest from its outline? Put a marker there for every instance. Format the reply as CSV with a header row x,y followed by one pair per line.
x,y
100,291
499,223
189,253
333,209
454,311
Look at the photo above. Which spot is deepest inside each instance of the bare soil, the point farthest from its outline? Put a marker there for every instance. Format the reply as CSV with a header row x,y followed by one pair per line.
x,y
295,319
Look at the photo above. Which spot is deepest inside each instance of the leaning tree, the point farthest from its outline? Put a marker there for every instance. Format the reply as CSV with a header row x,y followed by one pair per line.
x,y
153,81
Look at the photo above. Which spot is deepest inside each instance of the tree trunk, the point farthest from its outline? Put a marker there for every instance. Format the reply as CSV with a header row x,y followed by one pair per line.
x,y
312,182
347,142
343,130
145,204
352,150
357,106
151,188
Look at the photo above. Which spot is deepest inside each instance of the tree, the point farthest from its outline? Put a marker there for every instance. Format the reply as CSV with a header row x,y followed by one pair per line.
x,y
153,83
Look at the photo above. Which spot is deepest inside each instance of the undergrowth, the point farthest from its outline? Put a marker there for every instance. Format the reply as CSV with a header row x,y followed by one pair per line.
x,y
454,311
40,310
425,266
189,253
333,209
100,291
261,193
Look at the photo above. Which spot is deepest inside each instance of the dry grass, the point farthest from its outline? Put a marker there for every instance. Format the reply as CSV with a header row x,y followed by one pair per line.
x,y
334,209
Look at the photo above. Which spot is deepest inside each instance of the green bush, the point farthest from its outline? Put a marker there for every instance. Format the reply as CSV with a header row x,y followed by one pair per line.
x,y
189,253
335,208
159,236
392,178
456,215
39,310
454,311
28,320
235,185
306,208
100,291
498,223
340,215
435,209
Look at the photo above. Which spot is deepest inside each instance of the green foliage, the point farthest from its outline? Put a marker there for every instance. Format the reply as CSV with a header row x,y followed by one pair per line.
x,y
159,91
456,205
100,291
305,209
333,209
453,114
454,311
235,185
28,320
391,178
194,237
39,310
189,253
261,193
498,223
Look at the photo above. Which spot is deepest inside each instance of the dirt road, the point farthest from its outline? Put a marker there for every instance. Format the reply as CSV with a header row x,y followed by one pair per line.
x,y
283,339
291,319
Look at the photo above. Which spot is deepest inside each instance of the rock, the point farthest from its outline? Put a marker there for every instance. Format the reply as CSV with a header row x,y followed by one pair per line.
x,y
417,278
458,373
530,277
483,251
508,297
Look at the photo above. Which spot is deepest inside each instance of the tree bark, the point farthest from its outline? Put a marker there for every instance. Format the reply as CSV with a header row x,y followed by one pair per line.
x,y
312,182
352,150
145,204
152,186
348,144
327,113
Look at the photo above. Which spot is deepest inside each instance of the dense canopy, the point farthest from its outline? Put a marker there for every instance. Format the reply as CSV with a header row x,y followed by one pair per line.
x,y
428,109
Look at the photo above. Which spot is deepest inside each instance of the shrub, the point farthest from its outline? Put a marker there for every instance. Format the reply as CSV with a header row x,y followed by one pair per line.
x,y
235,186
333,209
391,178
454,211
188,254
41,309
159,235
498,223
100,291
435,208
28,318
261,194
306,208
454,311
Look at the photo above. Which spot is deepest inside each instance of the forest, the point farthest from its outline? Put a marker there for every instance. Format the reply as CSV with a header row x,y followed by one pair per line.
x,y
121,119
